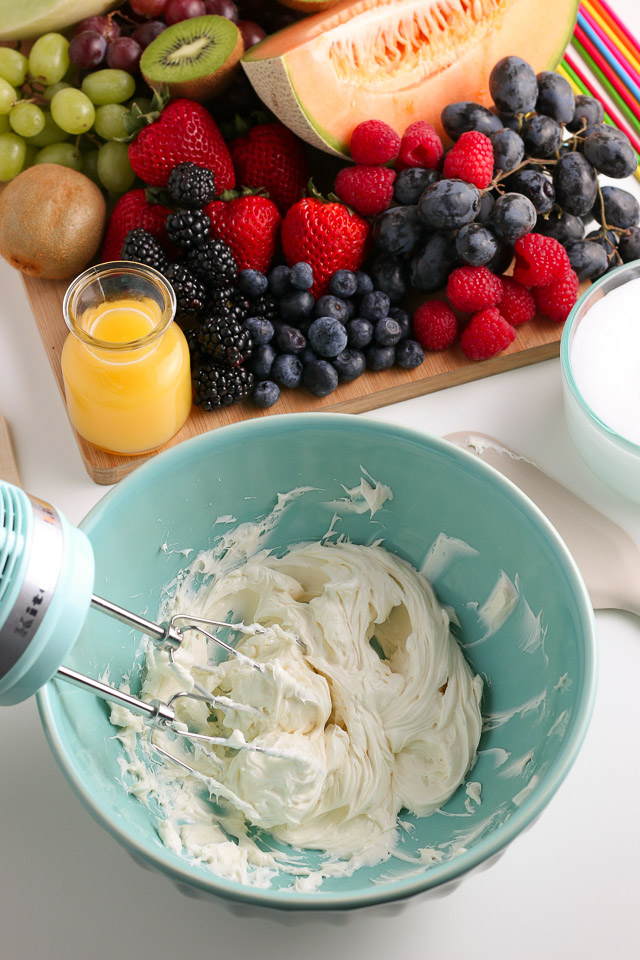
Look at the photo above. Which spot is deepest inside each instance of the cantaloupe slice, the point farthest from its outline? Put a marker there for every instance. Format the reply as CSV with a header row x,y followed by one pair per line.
x,y
398,60
31,18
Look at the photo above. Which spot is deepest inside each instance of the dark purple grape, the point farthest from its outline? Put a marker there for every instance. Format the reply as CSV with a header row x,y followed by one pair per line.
x,y
609,153
397,230
124,54
542,136
608,240
555,97
487,201
252,33
502,260
432,263
105,26
513,86
587,111
222,8
621,209
449,204
536,186
411,183
476,244
461,117
562,226
146,32
576,184
512,216
588,259
87,50
508,150
629,246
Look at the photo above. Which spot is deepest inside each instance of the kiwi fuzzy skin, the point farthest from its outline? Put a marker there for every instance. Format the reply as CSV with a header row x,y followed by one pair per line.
x,y
205,88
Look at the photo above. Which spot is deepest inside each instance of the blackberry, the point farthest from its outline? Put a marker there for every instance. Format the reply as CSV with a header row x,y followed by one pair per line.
x,y
214,262
216,386
190,291
191,186
140,246
224,340
188,229
265,307
228,303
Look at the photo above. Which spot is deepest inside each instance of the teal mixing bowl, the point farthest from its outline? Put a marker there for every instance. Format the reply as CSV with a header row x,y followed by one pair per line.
x,y
537,654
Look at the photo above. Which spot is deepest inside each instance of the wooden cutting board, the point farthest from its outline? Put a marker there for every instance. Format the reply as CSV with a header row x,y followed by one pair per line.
x,y
535,341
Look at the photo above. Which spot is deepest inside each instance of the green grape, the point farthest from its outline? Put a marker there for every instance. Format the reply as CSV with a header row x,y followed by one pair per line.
x,y
90,166
30,156
5,126
26,119
109,123
72,111
13,151
108,86
13,66
114,168
8,96
64,154
49,58
50,133
53,89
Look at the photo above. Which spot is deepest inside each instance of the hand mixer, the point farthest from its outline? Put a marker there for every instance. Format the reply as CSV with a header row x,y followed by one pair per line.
x,y
46,589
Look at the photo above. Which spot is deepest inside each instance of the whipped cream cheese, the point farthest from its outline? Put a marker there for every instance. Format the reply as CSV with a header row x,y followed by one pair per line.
x,y
363,706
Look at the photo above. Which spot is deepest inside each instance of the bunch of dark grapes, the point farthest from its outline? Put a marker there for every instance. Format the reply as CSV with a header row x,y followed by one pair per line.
x,y
549,149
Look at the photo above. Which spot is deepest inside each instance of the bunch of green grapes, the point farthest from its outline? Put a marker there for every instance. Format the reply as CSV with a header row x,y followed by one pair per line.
x,y
45,119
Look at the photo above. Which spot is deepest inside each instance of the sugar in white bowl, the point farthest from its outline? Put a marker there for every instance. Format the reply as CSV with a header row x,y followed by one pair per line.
x,y
600,357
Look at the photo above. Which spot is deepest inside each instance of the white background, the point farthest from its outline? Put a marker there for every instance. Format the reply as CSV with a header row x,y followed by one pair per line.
x,y
567,888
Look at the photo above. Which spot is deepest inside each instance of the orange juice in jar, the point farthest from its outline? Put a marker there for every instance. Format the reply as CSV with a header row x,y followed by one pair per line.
x,y
125,363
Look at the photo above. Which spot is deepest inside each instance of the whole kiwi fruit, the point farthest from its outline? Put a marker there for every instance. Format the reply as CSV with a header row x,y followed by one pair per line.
x,y
51,221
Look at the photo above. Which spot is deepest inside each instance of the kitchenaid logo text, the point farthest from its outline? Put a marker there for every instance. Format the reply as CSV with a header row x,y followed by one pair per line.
x,y
25,623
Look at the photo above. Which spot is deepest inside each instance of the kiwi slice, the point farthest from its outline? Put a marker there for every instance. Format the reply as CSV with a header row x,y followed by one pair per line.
x,y
194,58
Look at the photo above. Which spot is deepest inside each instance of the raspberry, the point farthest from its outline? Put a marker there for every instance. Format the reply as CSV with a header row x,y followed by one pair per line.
x,y
487,334
368,190
435,325
470,159
473,288
517,304
420,147
556,300
374,143
540,260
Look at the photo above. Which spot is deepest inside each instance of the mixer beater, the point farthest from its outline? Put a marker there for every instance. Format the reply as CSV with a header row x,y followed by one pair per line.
x,y
46,589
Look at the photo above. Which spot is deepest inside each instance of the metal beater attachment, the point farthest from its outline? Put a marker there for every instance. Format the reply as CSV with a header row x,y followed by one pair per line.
x,y
46,589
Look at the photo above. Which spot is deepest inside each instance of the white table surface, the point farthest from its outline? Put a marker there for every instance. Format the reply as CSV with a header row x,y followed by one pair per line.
x,y
566,888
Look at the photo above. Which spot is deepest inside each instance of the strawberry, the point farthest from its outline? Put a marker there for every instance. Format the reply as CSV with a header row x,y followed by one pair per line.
x,y
250,225
326,235
184,130
270,156
132,210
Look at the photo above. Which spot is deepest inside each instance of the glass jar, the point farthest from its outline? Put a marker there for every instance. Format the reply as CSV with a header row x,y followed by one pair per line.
x,y
125,363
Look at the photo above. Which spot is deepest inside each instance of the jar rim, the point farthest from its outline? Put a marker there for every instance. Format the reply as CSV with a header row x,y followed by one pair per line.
x,y
108,269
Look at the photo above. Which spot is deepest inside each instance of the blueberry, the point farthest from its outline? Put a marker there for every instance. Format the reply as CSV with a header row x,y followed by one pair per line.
x,y
629,247
262,360
534,185
449,204
266,393
397,230
351,309
320,378
389,274
387,332
463,116
330,306
252,283
301,276
555,97
587,111
609,153
409,354
403,319
411,183
359,332
375,305
621,209
476,244
379,358
350,364
279,281
327,336
541,135
562,226
308,355
365,283
289,339
296,306
343,283
432,263
261,330
513,86
508,150
512,216
287,370
575,183
588,259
